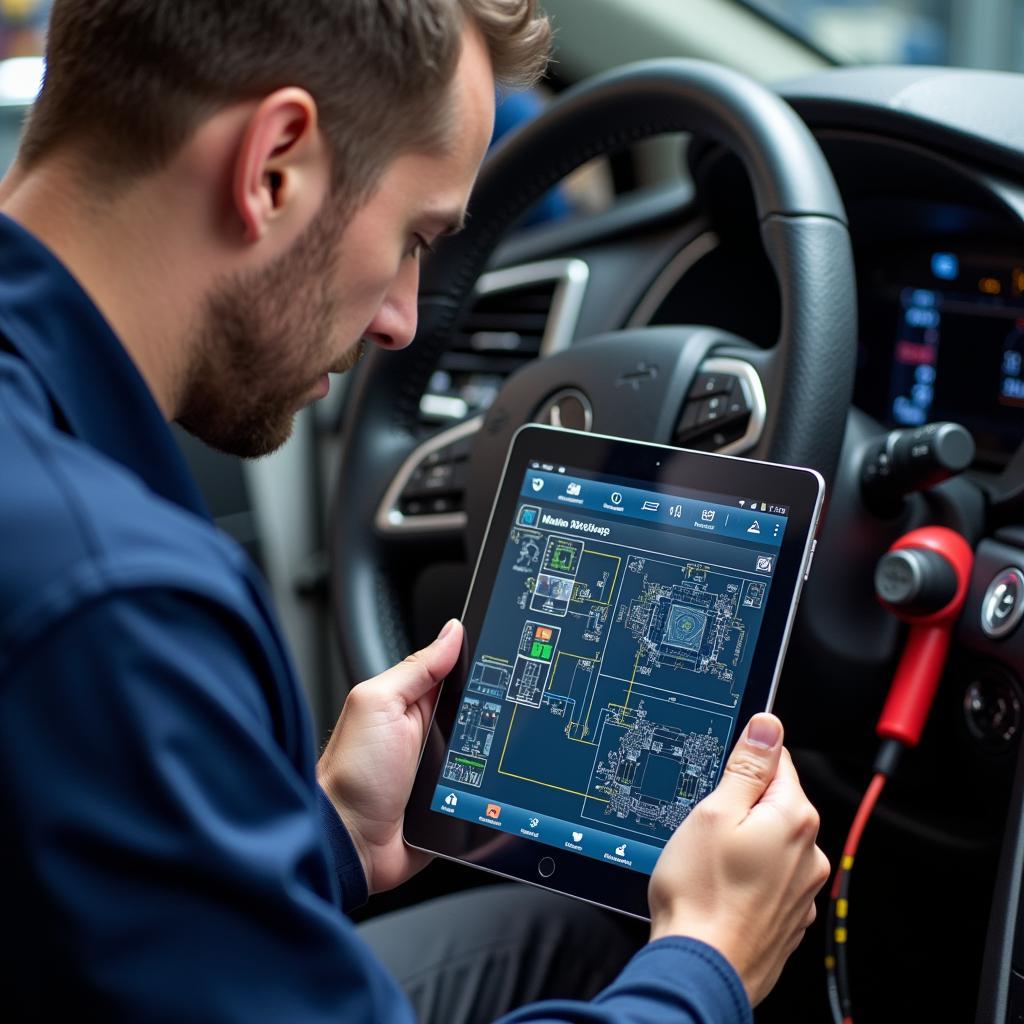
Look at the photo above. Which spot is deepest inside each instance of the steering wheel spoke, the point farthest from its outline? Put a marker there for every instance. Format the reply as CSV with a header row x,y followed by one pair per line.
x,y
425,502
725,408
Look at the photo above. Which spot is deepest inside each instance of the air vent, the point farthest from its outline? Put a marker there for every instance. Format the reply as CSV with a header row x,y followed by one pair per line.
x,y
517,315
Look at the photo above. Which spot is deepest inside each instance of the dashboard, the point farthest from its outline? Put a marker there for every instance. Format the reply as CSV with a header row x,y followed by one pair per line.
x,y
941,319
942,338
940,289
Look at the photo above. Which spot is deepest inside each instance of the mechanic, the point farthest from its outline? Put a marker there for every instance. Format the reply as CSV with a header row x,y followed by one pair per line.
x,y
213,206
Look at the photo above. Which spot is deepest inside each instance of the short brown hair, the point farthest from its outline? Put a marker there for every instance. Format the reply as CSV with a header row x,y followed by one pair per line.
x,y
129,81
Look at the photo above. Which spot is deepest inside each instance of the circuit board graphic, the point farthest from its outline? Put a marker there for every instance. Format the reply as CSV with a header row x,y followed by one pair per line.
x,y
606,680
652,774
683,618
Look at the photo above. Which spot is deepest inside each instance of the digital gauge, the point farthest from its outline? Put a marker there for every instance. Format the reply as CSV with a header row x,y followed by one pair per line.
x,y
956,320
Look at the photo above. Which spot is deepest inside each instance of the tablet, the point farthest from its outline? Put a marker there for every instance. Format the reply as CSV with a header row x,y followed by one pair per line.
x,y
629,612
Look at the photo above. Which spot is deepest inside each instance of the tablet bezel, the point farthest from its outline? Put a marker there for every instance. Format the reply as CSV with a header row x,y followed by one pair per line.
x,y
640,464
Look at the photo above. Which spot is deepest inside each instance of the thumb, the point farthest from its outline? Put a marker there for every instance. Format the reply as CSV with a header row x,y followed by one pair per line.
x,y
752,764
422,671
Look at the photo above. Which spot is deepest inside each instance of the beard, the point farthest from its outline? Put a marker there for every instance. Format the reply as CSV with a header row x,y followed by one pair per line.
x,y
264,343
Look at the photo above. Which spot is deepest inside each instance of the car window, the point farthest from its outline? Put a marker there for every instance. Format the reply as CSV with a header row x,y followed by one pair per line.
x,y
968,33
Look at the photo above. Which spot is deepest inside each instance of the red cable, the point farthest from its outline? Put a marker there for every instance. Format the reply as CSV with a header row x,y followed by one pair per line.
x,y
835,960
867,805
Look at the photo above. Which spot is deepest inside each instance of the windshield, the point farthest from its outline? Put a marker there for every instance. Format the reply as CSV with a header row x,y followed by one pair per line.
x,y
966,33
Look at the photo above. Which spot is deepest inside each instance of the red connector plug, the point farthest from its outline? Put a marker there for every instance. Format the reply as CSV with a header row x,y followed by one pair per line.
x,y
922,580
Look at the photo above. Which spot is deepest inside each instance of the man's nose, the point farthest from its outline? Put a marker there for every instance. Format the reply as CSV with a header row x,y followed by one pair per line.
x,y
394,325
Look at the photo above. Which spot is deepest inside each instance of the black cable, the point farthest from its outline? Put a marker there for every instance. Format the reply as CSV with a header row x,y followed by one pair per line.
x,y
836,965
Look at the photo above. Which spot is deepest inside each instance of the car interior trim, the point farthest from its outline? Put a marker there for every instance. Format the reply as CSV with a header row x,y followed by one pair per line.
x,y
572,276
680,265
750,381
390,518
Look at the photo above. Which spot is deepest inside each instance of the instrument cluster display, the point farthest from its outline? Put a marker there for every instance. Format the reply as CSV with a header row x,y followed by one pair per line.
x,y
943,339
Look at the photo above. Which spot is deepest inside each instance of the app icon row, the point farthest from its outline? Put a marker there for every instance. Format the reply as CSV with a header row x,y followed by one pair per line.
x,y
556,832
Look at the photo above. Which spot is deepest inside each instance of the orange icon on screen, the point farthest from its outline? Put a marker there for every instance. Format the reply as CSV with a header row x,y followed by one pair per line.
x,y
543,633
493,811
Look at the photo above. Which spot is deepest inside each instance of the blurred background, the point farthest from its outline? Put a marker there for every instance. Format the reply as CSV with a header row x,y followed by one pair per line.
x,y
967,33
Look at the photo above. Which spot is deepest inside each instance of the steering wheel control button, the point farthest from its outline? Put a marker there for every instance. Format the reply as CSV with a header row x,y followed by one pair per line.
x,y
436,486
428,491
725,408
707,384
993,710
717,412
546,867
1002,607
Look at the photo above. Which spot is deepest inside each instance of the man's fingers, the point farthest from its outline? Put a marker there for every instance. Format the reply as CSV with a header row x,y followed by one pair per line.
x,y
752,764
421,672
785,790
810,917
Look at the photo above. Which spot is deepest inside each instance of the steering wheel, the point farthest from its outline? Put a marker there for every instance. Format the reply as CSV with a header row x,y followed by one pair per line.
x,y
634,383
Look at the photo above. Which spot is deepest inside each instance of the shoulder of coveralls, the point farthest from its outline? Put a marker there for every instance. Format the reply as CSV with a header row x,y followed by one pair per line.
x,y
76,526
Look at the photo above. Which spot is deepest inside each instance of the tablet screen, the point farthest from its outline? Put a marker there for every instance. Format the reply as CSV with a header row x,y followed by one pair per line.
x,y
606,683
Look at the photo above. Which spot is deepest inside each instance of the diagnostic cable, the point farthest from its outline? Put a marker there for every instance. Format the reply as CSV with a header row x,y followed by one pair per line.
x,y
922,579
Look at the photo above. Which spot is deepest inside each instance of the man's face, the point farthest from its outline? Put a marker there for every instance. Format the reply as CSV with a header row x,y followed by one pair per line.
x,y
268,339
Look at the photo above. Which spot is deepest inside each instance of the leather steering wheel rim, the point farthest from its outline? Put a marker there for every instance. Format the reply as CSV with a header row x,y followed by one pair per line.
x,y
804,231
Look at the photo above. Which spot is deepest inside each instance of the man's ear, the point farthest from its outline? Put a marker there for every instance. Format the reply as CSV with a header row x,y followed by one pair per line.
x,y
280,174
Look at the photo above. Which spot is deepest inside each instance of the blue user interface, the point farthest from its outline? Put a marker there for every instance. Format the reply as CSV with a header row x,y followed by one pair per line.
x,y
611,663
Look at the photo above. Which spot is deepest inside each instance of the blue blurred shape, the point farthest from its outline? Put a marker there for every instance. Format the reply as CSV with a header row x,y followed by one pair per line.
x,y
513,110
945,266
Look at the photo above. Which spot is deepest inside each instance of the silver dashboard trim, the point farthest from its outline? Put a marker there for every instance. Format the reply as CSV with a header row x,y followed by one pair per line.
x,y
571,276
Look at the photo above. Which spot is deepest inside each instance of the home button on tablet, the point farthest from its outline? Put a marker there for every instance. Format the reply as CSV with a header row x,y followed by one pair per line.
x,y
546,867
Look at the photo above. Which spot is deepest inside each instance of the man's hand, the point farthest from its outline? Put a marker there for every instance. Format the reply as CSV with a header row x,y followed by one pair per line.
x,y
742,871
368,767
